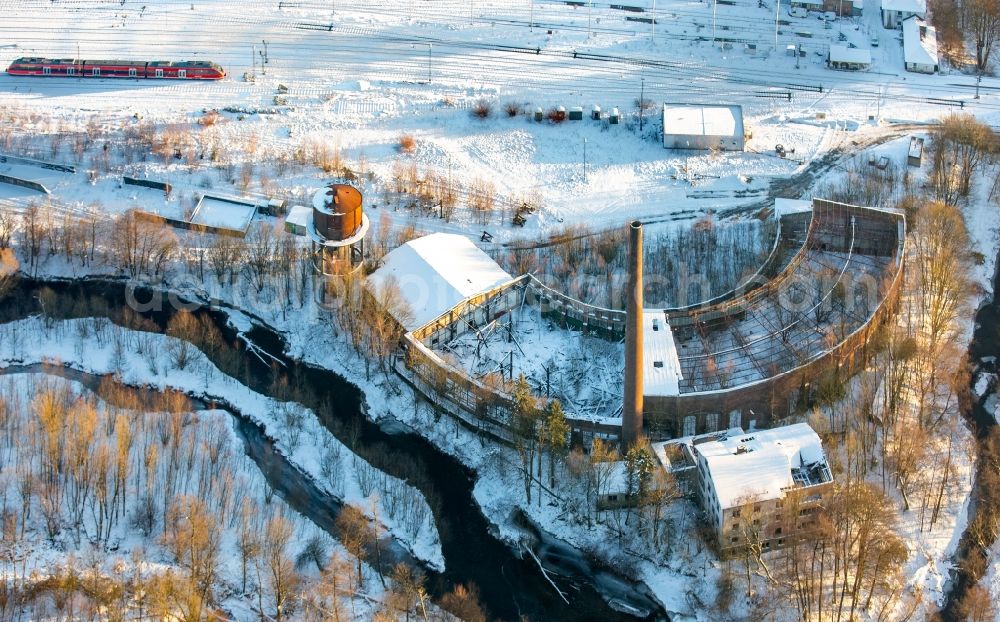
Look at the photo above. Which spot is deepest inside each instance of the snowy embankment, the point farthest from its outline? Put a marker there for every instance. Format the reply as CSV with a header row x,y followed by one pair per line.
x,y
144,359
50,547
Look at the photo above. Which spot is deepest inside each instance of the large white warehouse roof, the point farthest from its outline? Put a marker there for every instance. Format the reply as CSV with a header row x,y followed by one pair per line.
x,y
435,273
696,120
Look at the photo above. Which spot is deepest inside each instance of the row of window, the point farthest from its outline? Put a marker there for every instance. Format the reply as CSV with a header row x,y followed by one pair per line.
x,y
96,71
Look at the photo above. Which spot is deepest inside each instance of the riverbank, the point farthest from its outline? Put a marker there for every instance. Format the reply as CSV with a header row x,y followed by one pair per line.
x,y
143,359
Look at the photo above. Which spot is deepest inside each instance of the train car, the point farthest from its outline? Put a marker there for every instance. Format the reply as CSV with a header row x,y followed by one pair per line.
x,y
71,67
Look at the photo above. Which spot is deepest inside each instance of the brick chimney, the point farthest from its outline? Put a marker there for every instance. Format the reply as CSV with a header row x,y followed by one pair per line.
x,y
632,403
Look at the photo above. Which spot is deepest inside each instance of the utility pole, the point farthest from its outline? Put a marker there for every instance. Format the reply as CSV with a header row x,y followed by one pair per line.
x,y
531,17
429,46
715,5
265,50
253,61
590,13
777,15
652,32
979,78
584,160
642,100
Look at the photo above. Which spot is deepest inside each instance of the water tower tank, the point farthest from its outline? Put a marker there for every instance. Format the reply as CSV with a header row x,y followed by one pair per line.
x,y
337,212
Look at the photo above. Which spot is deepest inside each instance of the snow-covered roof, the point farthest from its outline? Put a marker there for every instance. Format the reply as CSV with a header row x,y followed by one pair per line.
x,y
791,206
299,215
661,370
437,272
919,42
918,7
844,54
763,464
694,120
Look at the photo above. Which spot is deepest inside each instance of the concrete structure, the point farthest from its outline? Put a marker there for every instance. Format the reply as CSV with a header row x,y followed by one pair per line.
x,y
920,48
915,154
337,228
741,359
435,274
689,126
848,58
894,12
761,486
297,221
632,404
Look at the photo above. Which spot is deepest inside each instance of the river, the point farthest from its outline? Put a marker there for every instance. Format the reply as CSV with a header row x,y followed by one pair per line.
x,y
510,587
984,352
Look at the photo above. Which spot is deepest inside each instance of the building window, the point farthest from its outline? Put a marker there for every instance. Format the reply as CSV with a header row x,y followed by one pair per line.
x,y
735,420
777,531
712,422
612,497
690,423
756,507
734,539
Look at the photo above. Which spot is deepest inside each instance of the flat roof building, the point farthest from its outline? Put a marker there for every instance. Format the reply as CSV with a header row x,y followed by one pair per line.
x,y
694,126
747,481
848,58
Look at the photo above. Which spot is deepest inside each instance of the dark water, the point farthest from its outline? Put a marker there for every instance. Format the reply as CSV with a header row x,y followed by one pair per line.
x,y
985,345
296,487
510,588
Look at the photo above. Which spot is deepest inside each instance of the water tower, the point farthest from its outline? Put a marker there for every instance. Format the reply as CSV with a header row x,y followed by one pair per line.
x,y
338,229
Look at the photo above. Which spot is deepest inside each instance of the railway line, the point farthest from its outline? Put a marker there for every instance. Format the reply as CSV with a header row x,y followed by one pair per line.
x,y
349,49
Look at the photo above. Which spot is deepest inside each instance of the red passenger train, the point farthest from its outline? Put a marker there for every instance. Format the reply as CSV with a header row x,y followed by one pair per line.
x,y
71,67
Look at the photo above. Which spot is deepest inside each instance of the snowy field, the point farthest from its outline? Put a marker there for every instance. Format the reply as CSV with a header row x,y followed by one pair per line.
x,y
582,372
356,77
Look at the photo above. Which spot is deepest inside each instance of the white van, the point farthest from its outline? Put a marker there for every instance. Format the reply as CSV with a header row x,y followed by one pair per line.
x,y
798,12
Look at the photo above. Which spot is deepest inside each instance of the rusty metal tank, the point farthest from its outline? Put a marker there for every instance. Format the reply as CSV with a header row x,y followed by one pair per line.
x,y
337,212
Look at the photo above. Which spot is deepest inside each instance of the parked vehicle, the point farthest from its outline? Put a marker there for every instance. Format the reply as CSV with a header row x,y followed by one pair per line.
x,y
157,69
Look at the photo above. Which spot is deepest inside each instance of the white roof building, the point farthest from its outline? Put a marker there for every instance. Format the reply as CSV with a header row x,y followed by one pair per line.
x,y
920,48
661,369
690,126
762,464
844,57
298,219
435,274
895,11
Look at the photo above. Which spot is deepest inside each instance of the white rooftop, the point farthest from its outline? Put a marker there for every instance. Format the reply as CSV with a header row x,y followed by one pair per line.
x,y
299,215
916,49
844,54
918,7
661,370
791,206
694,120
759,464
437,272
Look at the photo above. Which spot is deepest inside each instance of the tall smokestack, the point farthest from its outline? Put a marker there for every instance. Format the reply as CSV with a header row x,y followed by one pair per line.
x,y
632,403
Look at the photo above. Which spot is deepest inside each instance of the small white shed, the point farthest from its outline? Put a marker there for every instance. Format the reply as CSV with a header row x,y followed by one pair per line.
x,y
696,126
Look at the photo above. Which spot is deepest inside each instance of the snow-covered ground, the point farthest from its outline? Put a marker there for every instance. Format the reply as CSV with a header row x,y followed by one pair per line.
x,y
139,360
125,552
358,76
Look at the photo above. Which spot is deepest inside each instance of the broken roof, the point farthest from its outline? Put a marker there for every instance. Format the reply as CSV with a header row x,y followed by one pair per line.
x,y
761,465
